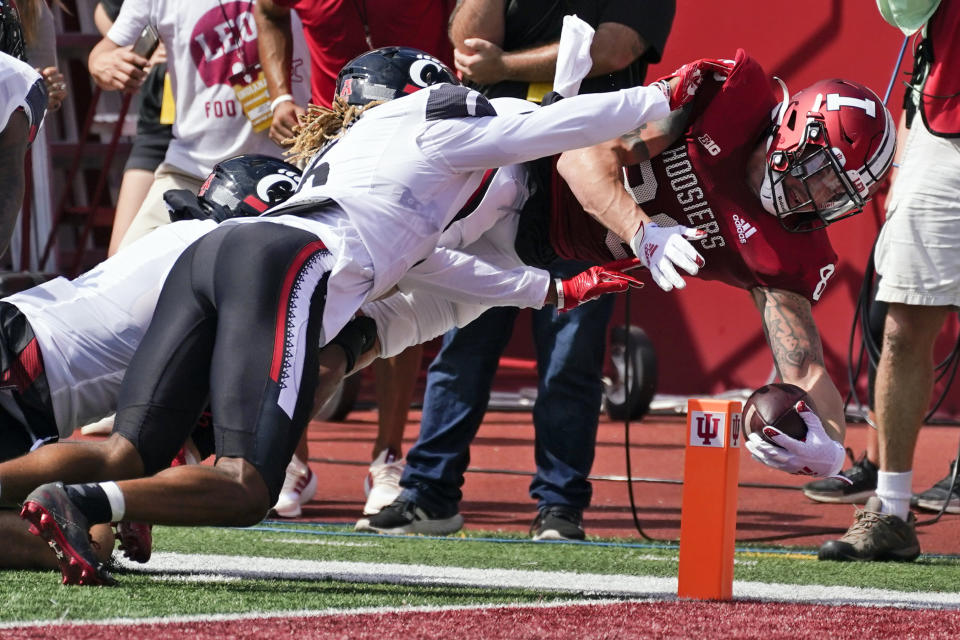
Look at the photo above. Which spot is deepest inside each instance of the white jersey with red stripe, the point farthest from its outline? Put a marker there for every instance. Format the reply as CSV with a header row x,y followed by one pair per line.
x,y
89,327
381,196
21,87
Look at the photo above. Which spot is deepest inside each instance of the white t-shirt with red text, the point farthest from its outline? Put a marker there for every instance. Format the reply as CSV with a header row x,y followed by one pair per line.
x,y
207,42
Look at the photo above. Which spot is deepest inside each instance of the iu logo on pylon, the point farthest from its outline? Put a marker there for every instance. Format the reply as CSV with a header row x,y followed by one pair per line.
x,y
735,421
707,429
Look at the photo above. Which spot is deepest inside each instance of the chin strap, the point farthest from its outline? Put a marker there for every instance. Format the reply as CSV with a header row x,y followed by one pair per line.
x,y
766,187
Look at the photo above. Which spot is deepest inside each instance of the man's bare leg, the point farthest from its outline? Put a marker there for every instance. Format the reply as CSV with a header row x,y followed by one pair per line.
x,y
396,379
70,462
230,493
905,381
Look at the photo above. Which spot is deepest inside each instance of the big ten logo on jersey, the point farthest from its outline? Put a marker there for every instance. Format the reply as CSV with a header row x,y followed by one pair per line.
x,y
708,428
712,147
223,43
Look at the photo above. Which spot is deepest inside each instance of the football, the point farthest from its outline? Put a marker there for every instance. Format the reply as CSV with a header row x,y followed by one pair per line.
x,y
773,404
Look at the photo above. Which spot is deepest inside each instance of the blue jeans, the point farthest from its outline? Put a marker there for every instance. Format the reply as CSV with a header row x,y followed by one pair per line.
x,y
570,349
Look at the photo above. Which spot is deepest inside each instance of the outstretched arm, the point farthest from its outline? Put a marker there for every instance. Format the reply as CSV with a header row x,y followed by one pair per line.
x,y
798,353
471,144
595,174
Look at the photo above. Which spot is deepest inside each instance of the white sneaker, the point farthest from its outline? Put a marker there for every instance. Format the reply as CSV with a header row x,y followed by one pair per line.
x,y
382,483
298,489
101,428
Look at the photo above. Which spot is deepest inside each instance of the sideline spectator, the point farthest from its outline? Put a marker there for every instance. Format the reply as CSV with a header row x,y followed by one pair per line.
x,y
360,26
153,136
213,63
918,259
509,48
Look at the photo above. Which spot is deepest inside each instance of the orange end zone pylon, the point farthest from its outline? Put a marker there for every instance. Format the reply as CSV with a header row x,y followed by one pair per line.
x,y
708,517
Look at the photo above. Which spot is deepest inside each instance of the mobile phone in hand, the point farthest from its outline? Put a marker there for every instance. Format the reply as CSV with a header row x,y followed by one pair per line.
x,y
147,43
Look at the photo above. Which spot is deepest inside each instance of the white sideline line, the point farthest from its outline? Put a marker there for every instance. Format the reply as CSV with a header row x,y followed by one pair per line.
x,y
194,567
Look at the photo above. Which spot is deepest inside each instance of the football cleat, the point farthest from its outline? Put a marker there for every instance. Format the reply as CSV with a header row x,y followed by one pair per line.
x,y
136,540
53,517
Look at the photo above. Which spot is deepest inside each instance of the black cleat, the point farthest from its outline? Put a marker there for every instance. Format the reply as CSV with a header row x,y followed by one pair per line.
x,y
57,520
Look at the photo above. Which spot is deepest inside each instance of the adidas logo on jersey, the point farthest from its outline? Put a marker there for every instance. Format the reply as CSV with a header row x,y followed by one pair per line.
x,y
744,229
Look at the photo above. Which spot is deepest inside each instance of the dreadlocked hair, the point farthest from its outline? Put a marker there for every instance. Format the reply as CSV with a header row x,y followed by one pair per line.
x,y
319,125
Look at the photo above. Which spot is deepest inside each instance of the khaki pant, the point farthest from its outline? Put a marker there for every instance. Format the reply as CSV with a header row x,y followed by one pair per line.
x,y
153,212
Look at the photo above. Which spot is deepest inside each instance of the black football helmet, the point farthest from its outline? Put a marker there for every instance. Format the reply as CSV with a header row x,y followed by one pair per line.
x,y
388,73
11,32
241,186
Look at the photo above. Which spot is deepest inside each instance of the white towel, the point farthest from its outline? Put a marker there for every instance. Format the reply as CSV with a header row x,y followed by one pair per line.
x,y
573,58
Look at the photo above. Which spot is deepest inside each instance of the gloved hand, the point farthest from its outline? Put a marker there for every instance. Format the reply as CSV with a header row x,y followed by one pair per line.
x,y
689,78
816,455
660,249
183,204
594,282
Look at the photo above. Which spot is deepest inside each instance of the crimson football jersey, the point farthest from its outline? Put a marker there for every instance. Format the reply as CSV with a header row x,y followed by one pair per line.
x,y
700,181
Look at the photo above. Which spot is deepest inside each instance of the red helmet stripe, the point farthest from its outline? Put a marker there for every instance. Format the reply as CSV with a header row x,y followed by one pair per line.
x,y
256,203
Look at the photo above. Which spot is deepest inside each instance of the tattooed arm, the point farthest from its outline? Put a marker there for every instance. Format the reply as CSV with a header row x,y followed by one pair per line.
x,y
798,353
595,173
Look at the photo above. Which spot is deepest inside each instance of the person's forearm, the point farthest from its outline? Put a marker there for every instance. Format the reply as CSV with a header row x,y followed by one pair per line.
x,y
538,64
477,19
101,20
275,46
595,177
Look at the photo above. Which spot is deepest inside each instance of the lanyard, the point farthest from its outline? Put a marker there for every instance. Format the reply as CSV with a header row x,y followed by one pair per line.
x,y
236,32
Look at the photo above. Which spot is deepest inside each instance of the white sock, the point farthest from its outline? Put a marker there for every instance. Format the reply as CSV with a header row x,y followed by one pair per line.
x,y
894,491
117,503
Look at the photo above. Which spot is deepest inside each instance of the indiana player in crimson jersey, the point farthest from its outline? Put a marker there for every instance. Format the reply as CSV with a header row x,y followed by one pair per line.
x,y
762,179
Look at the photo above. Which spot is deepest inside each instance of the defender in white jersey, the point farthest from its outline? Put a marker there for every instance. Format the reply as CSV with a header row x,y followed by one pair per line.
x,y
23,103
243,308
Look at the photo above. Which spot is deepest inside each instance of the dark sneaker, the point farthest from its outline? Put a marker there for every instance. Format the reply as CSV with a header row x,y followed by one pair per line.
x,y
58,521
943,492
405,516
875,536
557,522
136,540
863,483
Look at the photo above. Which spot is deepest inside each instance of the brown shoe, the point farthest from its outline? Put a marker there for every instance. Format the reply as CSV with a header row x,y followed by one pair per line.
x,y
875,536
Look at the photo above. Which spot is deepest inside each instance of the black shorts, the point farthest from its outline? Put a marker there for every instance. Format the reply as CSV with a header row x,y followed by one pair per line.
x,y
238,321
152,139
23,381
